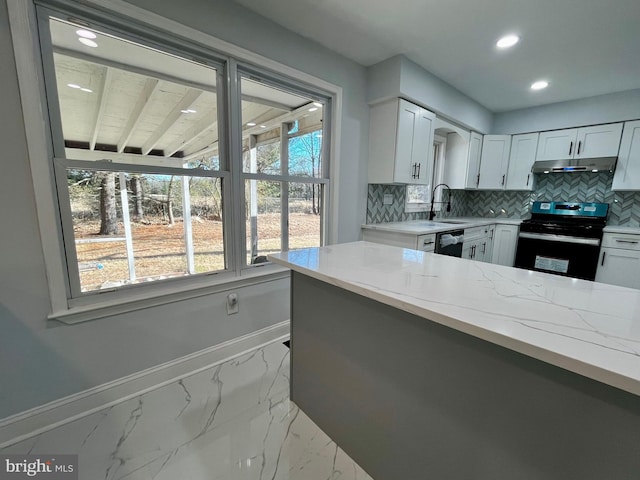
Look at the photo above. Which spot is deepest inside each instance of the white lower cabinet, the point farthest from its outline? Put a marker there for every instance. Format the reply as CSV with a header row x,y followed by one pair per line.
x,y
505,241
477,244
619,260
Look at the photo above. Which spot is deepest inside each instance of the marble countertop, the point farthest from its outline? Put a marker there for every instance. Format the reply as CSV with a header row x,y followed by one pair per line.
x,y
621,229
422,227
589,328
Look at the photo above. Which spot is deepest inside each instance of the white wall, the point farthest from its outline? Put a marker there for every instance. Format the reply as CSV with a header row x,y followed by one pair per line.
x,y
41,361
400,77
615,107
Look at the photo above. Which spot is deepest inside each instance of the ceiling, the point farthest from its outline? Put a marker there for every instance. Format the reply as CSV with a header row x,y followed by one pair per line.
x,y
127,103
582,47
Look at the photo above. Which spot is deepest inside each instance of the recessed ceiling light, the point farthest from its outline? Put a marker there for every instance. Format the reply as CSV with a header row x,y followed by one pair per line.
x,y
313,109
507,41
88,42
317,104
188,110
88,90
73,85
263,126
85,34
539,85
251,124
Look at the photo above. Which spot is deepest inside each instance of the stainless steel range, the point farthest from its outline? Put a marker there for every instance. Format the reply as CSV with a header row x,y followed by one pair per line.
x,y
562,238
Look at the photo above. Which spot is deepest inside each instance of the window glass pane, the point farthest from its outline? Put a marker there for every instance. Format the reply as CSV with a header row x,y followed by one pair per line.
x,y
263,158
128,103
274,116
304,215
417,193
161,239
305,154
264,208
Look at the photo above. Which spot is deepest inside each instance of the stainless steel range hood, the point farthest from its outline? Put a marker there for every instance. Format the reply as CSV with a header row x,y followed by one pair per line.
x,y
601,164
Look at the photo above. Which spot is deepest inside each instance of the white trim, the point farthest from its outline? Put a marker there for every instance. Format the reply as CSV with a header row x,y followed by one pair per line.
x,y
26,51
23,26
41,419
168,292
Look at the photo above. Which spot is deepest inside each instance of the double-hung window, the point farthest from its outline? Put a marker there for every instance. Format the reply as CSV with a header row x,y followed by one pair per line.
x,y
170,160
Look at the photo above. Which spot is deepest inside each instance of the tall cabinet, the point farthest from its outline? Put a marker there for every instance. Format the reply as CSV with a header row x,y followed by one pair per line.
x,y
401,143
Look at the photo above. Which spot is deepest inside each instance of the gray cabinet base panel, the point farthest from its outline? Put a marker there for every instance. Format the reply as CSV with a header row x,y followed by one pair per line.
x,y
407,398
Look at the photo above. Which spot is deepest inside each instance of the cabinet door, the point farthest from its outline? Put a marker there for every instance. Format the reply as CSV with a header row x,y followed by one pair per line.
x,y
557,144
488,250
423,148
473,162
494,161
504,245
619,267
599,141
521,158
627,176
406,167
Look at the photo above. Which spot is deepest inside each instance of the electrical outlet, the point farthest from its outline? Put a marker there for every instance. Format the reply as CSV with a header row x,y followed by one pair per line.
x,y
232,303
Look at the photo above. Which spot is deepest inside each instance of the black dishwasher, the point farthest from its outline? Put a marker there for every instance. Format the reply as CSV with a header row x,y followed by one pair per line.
x,y
450,243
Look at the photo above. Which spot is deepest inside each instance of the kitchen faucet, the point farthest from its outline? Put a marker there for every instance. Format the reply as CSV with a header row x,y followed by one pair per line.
x,y
432,213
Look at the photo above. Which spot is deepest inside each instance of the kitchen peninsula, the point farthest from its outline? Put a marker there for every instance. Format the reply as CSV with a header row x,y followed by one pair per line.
x,y
427,366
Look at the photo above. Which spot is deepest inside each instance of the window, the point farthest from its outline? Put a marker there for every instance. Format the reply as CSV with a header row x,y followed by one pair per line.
x,y
151,186
283,168
137,137
418,197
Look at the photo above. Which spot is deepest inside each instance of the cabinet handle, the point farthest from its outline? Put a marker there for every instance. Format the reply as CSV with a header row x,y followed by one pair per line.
x,y
633,242
528,176
484,248
478,180
570,148
427,242
502,179
603,254
413,170
418,175
579,145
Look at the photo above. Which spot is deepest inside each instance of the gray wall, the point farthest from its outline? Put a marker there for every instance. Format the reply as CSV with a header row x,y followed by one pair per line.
x,y
615,107
41,361
400,77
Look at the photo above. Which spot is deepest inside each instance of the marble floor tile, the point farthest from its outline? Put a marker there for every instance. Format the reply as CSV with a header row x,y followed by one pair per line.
x,y
233,421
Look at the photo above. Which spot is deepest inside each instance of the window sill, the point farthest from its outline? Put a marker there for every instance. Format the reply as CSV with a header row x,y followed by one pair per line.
x,y
164,294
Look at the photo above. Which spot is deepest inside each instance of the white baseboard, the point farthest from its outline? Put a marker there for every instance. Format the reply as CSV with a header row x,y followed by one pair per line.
x,y
35,421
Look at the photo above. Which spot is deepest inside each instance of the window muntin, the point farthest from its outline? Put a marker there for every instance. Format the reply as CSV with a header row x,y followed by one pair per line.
x,y
284,168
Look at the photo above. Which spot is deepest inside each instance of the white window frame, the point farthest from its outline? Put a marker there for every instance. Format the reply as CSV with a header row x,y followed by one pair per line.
x,y
437,175
63,307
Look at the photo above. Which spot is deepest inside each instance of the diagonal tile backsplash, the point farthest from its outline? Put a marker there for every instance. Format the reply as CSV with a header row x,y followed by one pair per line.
x,y
624,207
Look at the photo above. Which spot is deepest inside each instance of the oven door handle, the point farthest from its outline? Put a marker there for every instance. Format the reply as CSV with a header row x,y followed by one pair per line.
x,y
560,238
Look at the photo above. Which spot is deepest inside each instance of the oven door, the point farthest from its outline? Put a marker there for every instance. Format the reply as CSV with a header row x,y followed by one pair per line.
x,y
559,254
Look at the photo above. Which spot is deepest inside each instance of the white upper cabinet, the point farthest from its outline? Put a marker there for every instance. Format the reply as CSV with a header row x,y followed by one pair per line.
x,y
473,166
401,143
462,159
586,142
627,176
494,162
521,159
